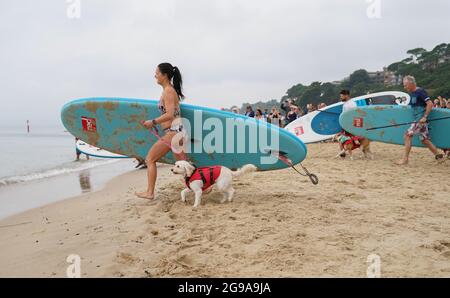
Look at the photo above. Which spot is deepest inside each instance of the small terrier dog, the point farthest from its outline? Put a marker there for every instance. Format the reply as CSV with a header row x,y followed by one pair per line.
x,y
199,180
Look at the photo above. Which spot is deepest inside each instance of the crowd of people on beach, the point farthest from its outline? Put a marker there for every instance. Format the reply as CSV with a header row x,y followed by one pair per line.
x,y
290,109
441,102
293,111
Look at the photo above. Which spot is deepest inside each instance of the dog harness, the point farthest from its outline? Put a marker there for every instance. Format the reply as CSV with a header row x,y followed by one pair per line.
x,y
347,138
207,174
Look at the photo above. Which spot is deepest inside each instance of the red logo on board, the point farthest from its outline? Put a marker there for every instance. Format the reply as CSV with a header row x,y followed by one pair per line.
x,y
89,124
299,130
358,122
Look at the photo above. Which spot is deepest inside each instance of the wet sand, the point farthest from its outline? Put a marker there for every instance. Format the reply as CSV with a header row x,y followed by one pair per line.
x,y
20,197
279,224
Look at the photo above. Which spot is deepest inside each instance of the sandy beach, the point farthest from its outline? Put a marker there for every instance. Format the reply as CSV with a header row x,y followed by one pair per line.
x,y
279,225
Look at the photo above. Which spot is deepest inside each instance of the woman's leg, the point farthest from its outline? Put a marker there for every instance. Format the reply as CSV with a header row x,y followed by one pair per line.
x,y
158,150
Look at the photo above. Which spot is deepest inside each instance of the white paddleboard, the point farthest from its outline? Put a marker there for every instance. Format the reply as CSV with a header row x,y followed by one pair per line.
x,y
96,152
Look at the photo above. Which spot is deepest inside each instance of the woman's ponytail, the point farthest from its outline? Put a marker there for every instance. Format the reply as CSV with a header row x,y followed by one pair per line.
x,y
178,82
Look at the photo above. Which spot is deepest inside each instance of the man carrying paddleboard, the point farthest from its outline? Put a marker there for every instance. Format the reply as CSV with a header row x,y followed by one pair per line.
x,y
422,106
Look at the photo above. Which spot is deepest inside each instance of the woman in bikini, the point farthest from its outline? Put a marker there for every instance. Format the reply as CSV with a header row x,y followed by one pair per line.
x,y
169,77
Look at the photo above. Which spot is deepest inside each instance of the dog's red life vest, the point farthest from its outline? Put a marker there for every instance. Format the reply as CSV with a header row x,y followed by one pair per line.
x,y
207,174
353,140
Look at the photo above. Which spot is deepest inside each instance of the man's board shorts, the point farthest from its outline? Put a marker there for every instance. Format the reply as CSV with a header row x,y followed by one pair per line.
x,y
419,129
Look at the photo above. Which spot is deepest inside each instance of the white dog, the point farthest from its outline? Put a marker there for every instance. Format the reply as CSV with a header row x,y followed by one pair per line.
x,y
200,179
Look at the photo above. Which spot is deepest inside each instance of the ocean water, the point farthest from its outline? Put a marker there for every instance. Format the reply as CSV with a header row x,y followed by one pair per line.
x,y
39,168
38,155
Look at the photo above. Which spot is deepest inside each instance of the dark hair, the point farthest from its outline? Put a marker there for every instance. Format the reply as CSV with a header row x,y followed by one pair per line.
x,y
174,74
345,92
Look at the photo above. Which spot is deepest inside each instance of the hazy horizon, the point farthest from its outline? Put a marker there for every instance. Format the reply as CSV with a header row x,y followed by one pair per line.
x,y
229,52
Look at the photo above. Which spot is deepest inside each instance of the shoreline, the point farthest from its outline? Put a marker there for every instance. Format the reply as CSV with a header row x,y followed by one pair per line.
x,y
21,197
279,224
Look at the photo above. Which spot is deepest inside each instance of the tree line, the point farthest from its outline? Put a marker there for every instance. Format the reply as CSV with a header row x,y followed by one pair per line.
x,y
431,69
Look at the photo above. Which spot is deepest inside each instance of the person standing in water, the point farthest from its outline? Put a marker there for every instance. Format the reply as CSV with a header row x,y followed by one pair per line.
x,y
78,152
169,77
422,106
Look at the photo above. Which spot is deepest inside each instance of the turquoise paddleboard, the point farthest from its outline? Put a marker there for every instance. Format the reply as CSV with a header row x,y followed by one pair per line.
x,y
214,137
389,123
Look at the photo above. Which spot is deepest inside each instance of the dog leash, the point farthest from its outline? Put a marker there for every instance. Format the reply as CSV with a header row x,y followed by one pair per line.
x,y
282,157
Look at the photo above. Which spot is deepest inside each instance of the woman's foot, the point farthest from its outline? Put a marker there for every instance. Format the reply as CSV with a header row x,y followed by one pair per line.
x,y
402,162
145,195
440,158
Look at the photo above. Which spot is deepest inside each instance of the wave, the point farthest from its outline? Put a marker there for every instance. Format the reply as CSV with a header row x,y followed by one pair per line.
x,y
66,168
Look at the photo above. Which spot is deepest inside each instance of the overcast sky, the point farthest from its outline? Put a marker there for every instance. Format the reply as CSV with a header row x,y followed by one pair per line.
x,y
229,51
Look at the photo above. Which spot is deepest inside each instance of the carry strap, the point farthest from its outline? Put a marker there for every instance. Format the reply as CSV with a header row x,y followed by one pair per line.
x,y
200,171
188,179
211,176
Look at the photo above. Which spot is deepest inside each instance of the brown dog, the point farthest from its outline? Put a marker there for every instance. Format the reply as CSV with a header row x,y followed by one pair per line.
x,y
349,144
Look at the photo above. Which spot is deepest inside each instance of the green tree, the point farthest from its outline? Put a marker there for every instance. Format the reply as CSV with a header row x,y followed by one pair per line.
x,y
416,53
430,68
360,76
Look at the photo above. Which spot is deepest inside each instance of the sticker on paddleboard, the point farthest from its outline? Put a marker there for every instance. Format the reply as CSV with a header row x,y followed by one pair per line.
x,y
299,131
89,124
358,122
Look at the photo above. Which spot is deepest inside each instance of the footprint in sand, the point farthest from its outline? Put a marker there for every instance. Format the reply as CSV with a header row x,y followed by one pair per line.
x,y
126,258
184,260
440,246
